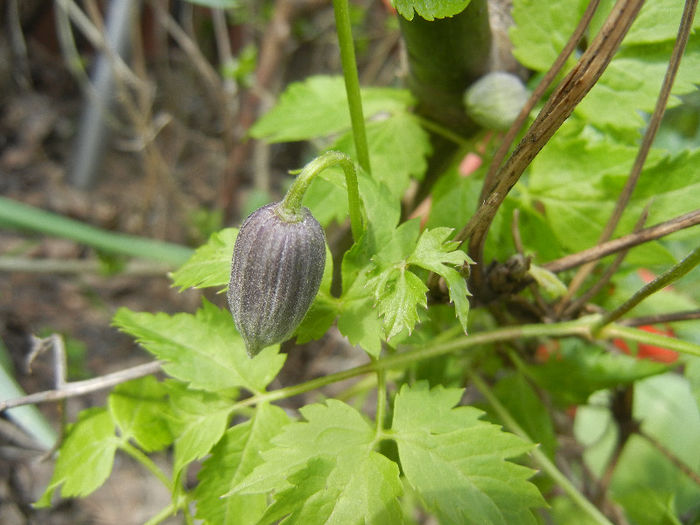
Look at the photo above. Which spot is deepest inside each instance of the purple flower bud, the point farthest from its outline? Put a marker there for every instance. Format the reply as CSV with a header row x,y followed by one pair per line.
x,y
275,275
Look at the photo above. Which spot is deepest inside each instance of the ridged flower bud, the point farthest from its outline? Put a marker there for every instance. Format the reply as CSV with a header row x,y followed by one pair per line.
x,y
495,100
278,262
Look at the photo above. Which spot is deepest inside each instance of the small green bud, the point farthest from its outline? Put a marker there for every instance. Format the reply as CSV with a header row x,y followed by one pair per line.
x,y
278,263
495,100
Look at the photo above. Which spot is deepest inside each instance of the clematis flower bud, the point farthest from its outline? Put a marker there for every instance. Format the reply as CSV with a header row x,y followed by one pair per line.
x,y
495,100
278,262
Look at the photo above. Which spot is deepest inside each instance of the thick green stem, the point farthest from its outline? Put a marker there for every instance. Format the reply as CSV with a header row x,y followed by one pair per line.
x,y
671,275
291,204
17,215
540,457
352,82
444,57
616,331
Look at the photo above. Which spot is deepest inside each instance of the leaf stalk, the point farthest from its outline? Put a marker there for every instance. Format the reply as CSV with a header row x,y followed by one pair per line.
x,y
291,204
352,82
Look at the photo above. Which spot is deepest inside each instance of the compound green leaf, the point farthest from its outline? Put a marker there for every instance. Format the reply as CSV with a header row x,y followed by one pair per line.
x,y
542,29
656,22
142,411
210,265
337,473
436,253
234,457
398,292
85,458
430,9
457,463
317,107
201,419
631,84
203,349
577,369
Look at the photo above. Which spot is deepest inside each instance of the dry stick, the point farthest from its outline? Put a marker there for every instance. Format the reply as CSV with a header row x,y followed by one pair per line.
x,y
223,45
489,180
633,239
79,388
271,50
654,123
673,317
205,69
608,274
674,273
557,109
96,38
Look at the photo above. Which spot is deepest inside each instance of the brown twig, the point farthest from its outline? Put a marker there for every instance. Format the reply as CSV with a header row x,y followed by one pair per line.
x,y
673,317
79,388
684,29
627,241
621,409
559,106
669,276
490,181
609,272
271,52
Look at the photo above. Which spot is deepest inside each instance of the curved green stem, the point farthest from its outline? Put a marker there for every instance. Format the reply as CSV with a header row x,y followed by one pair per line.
x,y
163,515
540,457
352,82
642,336
578,328
290,208
148,463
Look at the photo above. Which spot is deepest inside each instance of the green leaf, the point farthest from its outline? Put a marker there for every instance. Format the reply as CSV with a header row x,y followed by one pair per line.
x,y
521,400
305,501
210,265
398,147
233,458
575,182
398,292
657,21
430,9
358,321
542,29
632,81
85,458
457,463
335,443
454,198
692,373
318,106
141,410
201,419
203,349
578,369
434,253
